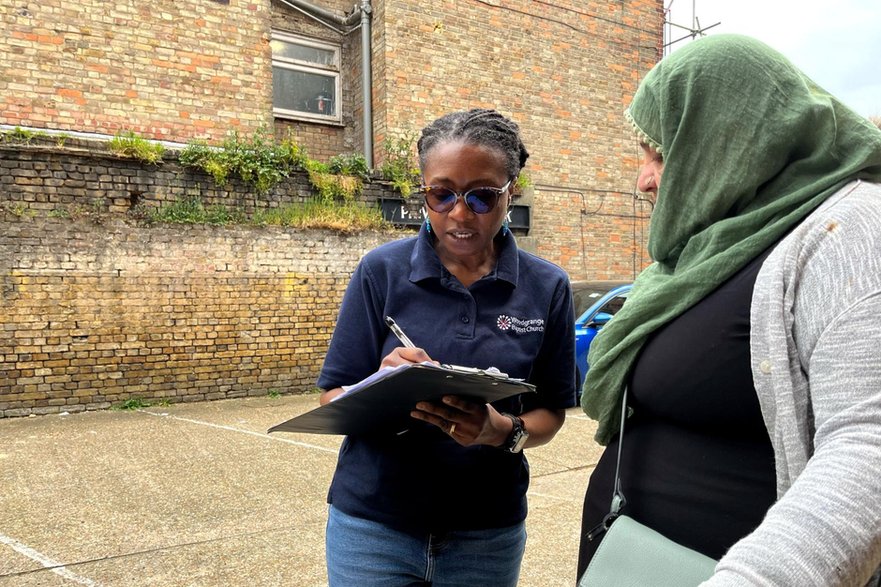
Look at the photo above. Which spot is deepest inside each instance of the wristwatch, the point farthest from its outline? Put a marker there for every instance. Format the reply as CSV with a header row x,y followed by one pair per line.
x,y
518,435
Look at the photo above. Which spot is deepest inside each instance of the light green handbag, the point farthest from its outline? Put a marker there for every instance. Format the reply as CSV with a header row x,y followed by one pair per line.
x,y
633,555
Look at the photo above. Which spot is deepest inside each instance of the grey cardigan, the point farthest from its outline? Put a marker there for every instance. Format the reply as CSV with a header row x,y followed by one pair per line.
x,y
815,344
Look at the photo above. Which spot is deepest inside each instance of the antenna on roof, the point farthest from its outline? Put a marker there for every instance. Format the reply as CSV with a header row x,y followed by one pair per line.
x,y
694,31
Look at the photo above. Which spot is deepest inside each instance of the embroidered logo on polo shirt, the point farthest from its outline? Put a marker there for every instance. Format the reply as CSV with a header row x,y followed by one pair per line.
x,y
519,325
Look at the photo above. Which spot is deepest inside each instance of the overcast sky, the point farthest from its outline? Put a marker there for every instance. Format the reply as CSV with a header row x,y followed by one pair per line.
x,y
836,42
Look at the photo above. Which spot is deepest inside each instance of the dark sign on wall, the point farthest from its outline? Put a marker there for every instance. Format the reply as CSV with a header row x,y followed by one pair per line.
x,y
400,212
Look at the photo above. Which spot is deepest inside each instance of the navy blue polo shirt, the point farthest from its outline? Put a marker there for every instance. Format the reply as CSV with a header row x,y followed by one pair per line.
x,y
519,318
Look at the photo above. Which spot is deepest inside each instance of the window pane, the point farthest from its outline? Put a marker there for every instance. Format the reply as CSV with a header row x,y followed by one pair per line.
x,y
283,50
303,91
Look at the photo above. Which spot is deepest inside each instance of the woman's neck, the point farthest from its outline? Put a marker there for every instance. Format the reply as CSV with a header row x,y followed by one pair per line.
x,y
469,269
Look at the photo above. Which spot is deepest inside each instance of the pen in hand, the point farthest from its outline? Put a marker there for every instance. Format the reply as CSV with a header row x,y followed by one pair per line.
x,y
396,330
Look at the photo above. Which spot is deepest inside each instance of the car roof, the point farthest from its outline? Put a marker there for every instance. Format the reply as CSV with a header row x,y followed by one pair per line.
x,y
585,293
598,285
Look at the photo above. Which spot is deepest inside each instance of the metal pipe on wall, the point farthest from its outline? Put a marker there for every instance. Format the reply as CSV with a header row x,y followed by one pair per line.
x,y
367,82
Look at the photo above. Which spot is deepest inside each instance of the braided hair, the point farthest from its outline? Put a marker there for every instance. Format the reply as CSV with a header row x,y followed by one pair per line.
x,y
479,126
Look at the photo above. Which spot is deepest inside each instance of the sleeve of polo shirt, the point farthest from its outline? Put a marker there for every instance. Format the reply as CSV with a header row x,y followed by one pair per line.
x,y
553,372
355,345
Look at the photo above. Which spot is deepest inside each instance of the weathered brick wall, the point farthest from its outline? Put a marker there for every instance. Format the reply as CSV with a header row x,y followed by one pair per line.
x,y
164,69
182,70
97,307
97,314
177,71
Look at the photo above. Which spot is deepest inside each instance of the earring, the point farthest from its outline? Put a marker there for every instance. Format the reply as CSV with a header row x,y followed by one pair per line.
x,y
427,225
505,229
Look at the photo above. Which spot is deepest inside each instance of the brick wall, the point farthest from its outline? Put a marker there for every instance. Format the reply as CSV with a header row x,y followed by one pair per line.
x,y
166,70
97,307
97,314
176,71
181,70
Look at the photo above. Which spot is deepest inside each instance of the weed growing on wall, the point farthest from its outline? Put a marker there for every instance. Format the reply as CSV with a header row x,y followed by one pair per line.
x,y
263,162
318,214
398,166
257,160
128,144
22,136
190,210
352,164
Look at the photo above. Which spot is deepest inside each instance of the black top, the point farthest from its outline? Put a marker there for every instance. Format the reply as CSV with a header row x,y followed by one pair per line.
x,y
697,463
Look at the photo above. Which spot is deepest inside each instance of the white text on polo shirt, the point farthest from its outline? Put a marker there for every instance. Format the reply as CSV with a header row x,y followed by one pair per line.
x,y
519,325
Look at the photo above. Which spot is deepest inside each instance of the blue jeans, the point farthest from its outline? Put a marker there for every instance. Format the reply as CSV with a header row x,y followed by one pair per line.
x,y
362,553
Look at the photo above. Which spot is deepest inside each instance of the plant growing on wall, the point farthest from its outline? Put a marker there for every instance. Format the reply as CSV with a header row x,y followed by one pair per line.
x,y
258,161
340,179
262,162
522,182
128,144
398,166
354,164
191,210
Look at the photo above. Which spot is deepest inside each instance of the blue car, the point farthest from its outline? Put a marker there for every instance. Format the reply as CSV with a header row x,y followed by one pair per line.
x,y
595,304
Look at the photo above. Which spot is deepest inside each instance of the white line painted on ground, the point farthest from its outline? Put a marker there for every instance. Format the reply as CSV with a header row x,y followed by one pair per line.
x,y
243,431
54,566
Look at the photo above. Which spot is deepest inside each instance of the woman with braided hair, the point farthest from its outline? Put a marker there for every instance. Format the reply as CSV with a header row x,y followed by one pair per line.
x,y
445,502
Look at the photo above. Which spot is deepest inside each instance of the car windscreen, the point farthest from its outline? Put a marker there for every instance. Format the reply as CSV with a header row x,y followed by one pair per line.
x,y
585,294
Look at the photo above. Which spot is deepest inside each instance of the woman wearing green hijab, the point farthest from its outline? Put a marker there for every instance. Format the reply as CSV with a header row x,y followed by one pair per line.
x,y
751,347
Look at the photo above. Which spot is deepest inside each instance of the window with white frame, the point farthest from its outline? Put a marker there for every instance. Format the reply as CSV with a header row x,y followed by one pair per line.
x,y
305,78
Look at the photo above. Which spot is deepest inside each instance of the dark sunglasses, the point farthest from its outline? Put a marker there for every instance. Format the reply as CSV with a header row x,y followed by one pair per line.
x,y
479,200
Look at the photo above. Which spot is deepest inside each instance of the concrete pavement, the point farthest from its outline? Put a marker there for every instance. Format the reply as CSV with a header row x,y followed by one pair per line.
x,y
199,495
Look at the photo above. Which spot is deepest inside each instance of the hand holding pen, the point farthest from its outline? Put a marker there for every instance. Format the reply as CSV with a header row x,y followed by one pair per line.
x,y
451,412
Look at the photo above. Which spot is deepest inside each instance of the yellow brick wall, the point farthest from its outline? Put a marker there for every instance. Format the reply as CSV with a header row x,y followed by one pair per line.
x,y
165,69
94,315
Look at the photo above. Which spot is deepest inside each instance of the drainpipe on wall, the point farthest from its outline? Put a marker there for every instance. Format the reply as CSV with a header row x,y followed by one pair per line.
x,y
348,24
323,16
367,82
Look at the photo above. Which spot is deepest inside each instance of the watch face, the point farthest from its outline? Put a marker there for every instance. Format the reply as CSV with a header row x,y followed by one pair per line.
x,y
519,440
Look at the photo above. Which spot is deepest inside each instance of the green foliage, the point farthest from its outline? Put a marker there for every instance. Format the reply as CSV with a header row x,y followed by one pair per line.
x,y
24,136
332,187
523,181
345,217
263,163
20,209
353,164
259,161
398,167
19,135
211,160
133,403
128,144
274,394
190,210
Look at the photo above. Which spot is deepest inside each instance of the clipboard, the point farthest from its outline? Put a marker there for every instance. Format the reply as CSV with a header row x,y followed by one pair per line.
x,y
384,401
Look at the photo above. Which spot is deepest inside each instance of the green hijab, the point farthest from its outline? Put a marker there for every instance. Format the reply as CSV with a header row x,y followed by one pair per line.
x,y
751,146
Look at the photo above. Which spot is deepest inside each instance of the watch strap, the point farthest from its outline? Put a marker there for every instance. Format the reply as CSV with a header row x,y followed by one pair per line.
x,y
515,440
